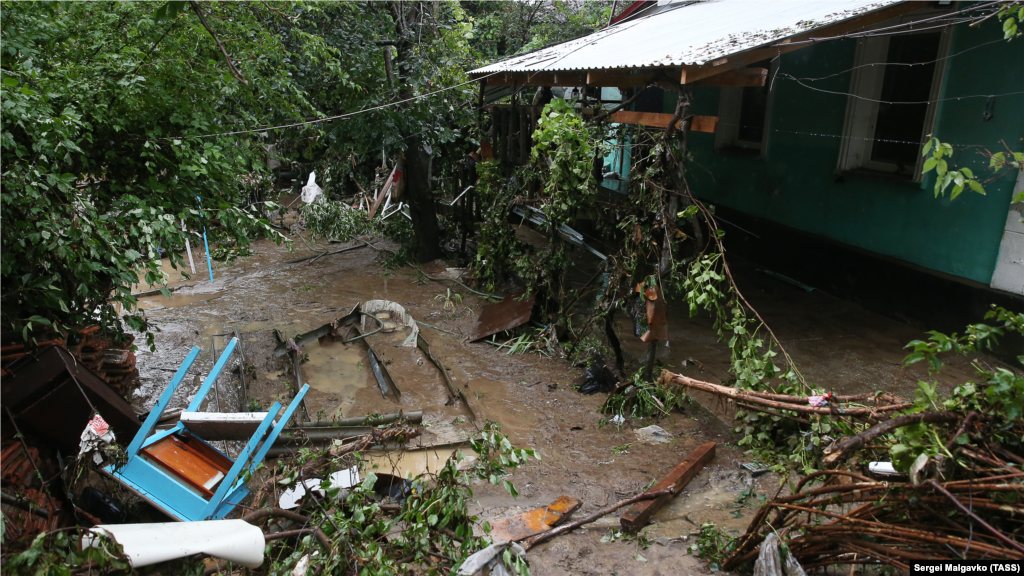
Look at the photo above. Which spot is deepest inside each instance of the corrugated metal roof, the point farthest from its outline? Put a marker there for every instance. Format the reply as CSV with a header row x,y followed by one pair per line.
x,y
688,33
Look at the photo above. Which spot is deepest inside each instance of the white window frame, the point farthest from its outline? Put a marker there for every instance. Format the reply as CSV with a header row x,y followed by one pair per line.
x,y
862,110
730,105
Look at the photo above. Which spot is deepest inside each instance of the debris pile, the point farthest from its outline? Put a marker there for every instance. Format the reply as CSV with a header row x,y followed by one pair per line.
x,y
109,359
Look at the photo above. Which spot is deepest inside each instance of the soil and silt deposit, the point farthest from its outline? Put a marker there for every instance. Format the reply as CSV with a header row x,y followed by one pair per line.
x,y
583,453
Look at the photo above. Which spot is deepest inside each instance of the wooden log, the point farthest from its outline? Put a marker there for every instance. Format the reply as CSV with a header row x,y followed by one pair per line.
x,y
640,514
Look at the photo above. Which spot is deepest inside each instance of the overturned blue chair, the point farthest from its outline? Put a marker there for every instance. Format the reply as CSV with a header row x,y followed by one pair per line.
x,y
183,475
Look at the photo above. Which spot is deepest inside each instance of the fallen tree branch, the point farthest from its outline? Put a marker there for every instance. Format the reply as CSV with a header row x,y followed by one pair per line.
x,y
975,517
538,538
847,447
234,71
258,515
744,396
315,257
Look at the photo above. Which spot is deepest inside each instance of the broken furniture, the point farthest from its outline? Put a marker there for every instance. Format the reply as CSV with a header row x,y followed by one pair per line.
x,y
52,395
521,526
640,514
181,474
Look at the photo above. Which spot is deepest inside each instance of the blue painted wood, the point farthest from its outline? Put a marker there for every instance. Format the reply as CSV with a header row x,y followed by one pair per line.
x,y
229,503
158,409
164,490
227,483
163,434
212,377
281,423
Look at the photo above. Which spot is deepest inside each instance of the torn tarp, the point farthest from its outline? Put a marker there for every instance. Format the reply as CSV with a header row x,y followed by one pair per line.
x,y
398,314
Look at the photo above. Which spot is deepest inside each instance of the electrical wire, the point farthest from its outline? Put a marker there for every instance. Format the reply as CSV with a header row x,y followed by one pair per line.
x,y
902,63
342,116
797,80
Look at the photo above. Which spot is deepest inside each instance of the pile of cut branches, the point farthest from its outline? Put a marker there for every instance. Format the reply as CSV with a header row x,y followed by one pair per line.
x,y
954,484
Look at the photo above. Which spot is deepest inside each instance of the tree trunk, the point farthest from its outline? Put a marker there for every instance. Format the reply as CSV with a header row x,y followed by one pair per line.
x,y
420,197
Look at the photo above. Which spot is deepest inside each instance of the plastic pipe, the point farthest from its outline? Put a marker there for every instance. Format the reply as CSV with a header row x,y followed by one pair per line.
x,y
209,262
236,541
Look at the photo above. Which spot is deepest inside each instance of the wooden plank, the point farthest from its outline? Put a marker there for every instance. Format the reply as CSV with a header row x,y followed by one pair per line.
x,y
653,119
704,124
640,514
692,74
631,78
222,426
383,192
733,78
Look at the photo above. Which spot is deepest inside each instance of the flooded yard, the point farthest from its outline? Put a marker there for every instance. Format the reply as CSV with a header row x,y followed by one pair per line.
x,y
583,455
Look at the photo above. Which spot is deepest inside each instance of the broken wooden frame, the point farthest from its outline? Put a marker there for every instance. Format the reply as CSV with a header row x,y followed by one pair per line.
x,y
182,475
453,392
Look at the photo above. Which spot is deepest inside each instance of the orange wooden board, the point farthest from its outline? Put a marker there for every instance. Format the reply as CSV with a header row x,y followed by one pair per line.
x,y
527,524
186,462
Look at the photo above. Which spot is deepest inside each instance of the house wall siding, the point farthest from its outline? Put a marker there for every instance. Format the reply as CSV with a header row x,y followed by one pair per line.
x,y
796,183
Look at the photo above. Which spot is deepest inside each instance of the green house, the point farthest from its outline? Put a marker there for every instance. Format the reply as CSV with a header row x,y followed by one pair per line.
x,y
819,111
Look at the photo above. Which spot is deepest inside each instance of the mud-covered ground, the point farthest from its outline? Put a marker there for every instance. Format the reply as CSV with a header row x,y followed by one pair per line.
x,y
836,344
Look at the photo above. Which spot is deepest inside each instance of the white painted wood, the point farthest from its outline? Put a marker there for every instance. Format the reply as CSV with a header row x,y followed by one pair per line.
x,y
1009,272
866,87
222,426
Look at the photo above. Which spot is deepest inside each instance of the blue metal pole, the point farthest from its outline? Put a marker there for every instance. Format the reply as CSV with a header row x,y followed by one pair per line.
x,y
209,264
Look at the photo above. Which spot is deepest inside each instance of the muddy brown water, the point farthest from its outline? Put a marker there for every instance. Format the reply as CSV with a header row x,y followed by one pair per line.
x,y
838,346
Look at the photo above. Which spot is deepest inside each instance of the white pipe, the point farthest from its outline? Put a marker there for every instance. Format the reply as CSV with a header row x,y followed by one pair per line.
x,y
236,541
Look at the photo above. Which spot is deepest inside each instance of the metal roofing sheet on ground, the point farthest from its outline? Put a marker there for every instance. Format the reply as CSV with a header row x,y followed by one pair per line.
x,y
688,33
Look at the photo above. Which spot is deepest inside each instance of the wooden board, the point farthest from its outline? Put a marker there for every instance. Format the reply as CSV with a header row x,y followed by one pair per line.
x,y
218,426
392,178
653,119
704,124
522,526
640,514
189,462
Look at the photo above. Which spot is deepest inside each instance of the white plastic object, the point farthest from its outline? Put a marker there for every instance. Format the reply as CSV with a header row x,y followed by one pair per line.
x,y
340,479
882,468
311,191
236,541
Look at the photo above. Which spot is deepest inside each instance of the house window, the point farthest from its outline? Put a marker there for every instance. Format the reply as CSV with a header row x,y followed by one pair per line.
x,y
743,118
895,83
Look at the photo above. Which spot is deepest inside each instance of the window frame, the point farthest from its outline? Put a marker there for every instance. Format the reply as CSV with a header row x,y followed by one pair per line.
x,y
730,109
862,112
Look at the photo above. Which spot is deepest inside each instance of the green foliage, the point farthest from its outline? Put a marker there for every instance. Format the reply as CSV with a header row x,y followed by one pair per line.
x,y
338,221
1012,16
103,108
712,545
999,391
57,554
562,164
643,399
565,144
502,29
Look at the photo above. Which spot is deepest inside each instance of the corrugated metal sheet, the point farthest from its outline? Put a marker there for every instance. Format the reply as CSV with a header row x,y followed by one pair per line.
x,y
688,33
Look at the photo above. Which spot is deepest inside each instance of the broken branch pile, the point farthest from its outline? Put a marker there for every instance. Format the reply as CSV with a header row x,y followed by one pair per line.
x,y
870,522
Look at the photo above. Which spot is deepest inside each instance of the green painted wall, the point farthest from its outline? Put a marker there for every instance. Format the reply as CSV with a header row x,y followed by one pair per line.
x,y
796,184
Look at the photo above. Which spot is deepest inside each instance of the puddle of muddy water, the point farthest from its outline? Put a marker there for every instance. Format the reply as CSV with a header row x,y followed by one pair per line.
x,y
413,462
336,369
176,300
